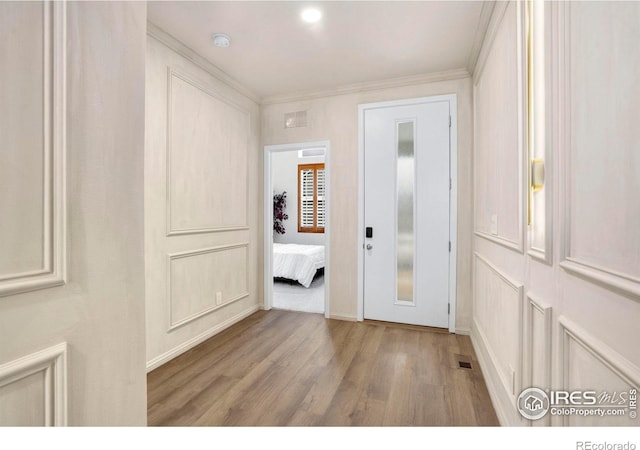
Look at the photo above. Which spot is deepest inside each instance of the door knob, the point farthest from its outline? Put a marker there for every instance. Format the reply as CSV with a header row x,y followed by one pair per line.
x,y
369,246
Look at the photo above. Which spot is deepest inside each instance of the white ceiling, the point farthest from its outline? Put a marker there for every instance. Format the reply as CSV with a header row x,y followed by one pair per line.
x,y
273,52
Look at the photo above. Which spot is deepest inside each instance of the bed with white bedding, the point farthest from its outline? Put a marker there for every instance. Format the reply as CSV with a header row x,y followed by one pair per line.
x,y
297,262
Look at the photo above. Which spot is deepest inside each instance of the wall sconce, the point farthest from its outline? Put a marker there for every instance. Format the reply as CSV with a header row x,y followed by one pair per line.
x,y
537,174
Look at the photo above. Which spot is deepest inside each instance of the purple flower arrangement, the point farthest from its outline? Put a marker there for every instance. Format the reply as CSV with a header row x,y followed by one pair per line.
x,y
279,216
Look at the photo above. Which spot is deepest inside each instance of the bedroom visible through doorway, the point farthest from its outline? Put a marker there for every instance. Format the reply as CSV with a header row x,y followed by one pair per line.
x,y
296,227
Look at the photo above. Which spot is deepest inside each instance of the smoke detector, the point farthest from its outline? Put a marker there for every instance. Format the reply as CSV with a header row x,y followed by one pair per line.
x,y
221,40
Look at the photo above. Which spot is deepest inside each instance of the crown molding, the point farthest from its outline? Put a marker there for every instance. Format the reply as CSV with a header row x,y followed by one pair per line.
x,y
481,32
174,44
495,18
455,74
165,38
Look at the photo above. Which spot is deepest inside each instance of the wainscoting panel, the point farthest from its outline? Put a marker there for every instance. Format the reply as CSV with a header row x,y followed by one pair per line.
x,y
537,348
588,364
499,155
593,278
201,200
602,214
32,160
30,391
33,389
498,322
202,281
207,145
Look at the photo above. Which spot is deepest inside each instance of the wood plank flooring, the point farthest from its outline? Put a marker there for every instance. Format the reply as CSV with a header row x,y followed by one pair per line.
x,y
279,368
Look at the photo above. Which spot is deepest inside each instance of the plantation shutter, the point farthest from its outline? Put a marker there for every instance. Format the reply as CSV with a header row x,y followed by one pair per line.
x,y
320,203
306,198
311,198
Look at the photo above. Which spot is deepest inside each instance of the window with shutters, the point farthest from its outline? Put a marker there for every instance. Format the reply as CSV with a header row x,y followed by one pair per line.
x,y
311,198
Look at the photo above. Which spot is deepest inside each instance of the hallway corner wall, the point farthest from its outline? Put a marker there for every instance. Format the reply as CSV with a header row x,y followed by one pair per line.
x,y
71,174
563,317
202,201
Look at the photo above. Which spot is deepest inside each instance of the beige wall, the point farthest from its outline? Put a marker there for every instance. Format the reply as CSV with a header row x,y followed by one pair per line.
x,y
497,156
99,312
202,193
569,322
335,118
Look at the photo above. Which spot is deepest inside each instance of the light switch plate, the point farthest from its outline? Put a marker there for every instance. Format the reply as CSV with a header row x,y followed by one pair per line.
x,y
494,224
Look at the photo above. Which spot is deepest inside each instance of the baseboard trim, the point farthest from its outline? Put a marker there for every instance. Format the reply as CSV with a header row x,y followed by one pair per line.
x,y
499,397
180,349
463,331
345,318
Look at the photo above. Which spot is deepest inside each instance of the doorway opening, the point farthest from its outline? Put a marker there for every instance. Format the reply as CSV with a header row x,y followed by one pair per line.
x,y
296,227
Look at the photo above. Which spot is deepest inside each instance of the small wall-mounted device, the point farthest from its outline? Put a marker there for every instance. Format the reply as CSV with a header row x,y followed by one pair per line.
x,y
295,119
369,232
221,40
537,174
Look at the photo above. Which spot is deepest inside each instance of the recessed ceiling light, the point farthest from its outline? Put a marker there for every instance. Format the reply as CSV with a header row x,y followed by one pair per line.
x,y
311,15
221,40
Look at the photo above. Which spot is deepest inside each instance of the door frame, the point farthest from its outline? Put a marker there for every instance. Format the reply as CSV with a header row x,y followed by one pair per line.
x,y
269,150
453,194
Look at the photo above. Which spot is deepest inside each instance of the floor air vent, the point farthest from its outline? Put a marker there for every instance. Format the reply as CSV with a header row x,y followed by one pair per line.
x,y
464,364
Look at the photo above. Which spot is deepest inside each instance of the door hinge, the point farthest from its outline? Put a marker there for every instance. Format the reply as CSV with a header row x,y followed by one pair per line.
x,y
449,121
448,308
450,184
449,246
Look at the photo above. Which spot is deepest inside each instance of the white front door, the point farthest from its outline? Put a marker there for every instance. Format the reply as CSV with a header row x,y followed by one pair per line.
x,y
407,187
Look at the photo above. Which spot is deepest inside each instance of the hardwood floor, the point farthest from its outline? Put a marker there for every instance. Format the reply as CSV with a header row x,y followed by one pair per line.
x,y
286,368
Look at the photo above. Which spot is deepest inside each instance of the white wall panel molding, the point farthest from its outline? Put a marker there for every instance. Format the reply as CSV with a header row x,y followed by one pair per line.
x,y
616,363
500,398
51,363
542,117
505,15
537,342
189,344
614,281
537,347
241,285
498,323
587,363
507,243
175,75
597,248
53,268
508,280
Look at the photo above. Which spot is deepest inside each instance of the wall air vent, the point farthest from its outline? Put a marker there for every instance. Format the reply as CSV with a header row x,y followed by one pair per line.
x,y
295,119
311,153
